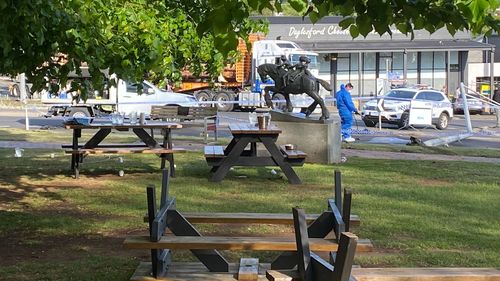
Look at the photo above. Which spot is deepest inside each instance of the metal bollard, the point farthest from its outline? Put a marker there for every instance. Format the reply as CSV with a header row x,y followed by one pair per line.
x,y
497,111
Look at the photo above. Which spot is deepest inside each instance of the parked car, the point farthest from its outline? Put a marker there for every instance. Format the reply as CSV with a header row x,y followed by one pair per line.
x,y
396,107
475,105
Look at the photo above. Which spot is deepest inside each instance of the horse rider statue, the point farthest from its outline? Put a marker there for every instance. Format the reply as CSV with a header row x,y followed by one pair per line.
x,y
298,70
296,79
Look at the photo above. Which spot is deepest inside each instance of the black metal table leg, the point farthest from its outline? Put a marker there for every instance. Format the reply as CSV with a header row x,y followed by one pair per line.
x,y
212,259
270,144
232,157
96,139
145,137
167,143
75,158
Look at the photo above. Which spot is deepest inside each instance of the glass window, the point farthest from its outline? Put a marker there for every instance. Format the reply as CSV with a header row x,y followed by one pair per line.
x,y
343,64
354,62
439,60
286,45
145,89
400,94
412,76
434,96
412,60
397,61
439,80
421,96
369,61
131,87
385,62
427,60
454,57
314,61
324,66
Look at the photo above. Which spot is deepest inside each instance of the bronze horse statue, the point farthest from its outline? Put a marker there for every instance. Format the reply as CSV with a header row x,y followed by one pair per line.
x,y
301,84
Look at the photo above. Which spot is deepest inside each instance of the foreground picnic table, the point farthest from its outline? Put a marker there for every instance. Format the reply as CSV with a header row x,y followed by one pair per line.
x,y
150,146
222,159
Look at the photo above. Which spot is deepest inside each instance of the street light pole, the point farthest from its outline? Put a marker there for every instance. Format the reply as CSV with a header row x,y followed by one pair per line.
x,y
24,98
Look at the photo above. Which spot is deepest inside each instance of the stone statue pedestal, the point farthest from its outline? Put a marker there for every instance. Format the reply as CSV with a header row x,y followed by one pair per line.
x,y
320,139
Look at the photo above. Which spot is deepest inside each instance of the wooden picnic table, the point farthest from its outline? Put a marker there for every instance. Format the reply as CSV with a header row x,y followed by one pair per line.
x,y
222,159
93,146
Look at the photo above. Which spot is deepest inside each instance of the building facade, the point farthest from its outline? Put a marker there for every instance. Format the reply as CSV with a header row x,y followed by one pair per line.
x,y
438,60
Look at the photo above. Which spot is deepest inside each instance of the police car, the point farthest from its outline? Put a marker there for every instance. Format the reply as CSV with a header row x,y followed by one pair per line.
x,y
394,107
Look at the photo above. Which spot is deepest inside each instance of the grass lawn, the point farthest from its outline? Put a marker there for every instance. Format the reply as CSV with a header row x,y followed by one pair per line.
x,y
417,213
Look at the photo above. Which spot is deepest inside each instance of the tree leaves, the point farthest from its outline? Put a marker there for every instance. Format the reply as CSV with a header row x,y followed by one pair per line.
x,y
354,31
364,24
298,5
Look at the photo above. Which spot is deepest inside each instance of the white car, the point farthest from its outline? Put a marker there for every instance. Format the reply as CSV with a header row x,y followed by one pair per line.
x,y
129,100
394,107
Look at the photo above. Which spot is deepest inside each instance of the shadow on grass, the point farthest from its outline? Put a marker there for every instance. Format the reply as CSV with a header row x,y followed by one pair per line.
x,y
38,174
38,237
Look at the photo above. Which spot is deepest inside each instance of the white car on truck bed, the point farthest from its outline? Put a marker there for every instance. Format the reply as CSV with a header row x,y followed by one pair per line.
x,y
394,107
122,98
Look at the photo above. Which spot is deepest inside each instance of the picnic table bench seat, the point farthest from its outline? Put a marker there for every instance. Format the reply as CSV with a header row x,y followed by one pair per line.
x,y
182,114
293,153
124,150
214,151
214,154
236,243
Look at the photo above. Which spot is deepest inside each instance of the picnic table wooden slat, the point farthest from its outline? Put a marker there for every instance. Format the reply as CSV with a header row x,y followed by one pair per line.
x,y
126,126
236,243
257,218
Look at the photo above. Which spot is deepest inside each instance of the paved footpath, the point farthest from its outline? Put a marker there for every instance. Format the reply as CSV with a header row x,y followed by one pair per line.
x,y
347,152
415,156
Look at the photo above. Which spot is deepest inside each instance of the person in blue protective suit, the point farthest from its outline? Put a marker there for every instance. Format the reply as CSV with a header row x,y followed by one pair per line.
x,y
346,108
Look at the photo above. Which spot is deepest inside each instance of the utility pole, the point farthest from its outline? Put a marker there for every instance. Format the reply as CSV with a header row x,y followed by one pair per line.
x,y
24,98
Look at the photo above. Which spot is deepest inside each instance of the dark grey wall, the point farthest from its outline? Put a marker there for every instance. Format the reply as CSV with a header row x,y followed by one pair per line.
x,y
327,29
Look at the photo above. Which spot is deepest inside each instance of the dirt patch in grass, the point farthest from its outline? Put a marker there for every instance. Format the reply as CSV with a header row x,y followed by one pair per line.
x,y
87,182
15,191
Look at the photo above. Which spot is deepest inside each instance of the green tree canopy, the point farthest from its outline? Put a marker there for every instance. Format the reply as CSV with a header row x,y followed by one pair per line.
x,y
134,37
